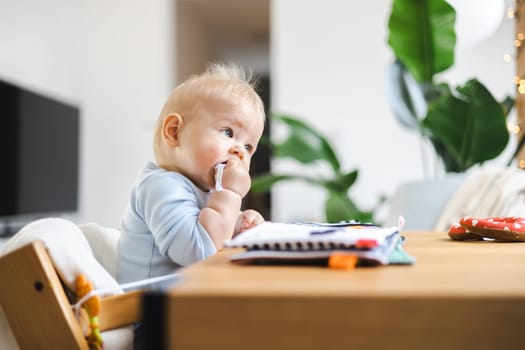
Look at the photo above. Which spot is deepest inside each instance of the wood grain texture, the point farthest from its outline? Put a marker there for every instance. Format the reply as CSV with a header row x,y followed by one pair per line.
x,y
34,301
120,310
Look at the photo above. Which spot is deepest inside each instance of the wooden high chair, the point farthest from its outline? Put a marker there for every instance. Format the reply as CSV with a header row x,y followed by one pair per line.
x,y
38,310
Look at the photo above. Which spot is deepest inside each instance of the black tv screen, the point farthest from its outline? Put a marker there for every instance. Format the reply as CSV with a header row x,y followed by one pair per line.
x,y
39,148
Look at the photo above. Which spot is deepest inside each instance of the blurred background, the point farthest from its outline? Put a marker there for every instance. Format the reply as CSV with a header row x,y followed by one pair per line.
x,y
322,61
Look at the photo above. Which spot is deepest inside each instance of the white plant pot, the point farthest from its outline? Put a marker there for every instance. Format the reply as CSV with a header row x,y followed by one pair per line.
x,y
421,203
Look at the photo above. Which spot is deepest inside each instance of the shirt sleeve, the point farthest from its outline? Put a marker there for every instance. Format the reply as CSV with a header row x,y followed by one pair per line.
x,y
170,209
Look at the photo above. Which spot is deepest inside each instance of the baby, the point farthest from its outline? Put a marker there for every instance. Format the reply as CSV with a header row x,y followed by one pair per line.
x,y
178,213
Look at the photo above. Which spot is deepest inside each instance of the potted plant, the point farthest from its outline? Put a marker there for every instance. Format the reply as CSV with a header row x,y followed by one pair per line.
x,y
466,125
307,146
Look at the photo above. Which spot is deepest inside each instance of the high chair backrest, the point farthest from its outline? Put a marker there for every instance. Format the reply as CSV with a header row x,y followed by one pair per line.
x,y
37,307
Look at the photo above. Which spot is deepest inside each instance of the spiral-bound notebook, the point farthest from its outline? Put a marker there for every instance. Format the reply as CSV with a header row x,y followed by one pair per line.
x,y
315,241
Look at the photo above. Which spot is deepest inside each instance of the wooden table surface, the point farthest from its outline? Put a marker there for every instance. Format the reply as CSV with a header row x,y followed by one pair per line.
x,y
443,268
458,295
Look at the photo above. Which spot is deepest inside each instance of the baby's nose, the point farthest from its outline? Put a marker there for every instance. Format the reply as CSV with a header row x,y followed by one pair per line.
x,y
237,151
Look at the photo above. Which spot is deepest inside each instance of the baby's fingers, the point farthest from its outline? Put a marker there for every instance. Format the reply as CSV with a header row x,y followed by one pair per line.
x,y
233,162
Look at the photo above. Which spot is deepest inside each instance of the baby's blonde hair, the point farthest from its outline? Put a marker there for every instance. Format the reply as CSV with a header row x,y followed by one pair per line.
x,y
220,81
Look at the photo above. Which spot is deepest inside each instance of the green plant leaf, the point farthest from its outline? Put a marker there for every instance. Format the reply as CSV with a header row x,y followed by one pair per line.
x,y
263,183
399,83
507,104
347,180
450,163
304,144
340,207
470,126
422,36
342,182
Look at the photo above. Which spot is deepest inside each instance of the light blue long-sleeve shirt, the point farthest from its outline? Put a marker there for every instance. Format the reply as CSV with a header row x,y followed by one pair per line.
x,y
160,227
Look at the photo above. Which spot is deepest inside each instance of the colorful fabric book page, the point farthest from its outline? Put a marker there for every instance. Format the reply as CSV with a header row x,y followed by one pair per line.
x,y
281,242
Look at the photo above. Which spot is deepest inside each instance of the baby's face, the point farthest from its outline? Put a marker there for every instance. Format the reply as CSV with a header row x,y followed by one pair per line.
x,y
215,134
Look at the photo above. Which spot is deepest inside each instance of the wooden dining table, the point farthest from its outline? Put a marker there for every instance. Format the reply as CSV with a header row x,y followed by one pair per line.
x,y
457,295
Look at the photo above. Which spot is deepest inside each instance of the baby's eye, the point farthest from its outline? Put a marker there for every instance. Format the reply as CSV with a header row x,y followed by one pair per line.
x,y
249,148
228,132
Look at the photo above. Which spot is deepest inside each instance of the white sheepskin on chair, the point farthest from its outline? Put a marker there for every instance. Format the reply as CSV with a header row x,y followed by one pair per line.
x,y
68,248
103,242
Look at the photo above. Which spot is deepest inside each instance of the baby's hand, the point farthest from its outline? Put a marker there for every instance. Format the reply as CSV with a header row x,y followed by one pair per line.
x,y
247,219
235,178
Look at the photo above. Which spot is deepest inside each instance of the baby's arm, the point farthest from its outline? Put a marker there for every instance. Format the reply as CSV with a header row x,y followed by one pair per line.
x,y
220,216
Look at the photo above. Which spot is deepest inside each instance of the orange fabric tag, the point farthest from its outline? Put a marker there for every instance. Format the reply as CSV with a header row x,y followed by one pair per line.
x,y
342,261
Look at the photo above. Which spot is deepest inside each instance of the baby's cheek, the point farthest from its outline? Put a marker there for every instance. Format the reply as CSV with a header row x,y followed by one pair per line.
x,y
247,166
209,157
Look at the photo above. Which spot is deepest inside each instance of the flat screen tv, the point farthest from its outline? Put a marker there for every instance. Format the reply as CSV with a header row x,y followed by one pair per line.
x,y
39,152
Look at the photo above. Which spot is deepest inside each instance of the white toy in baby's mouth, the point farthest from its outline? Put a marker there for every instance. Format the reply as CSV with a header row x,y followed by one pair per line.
x,y
219,168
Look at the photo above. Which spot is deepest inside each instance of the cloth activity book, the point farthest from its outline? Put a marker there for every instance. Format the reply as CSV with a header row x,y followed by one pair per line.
x,y
316,242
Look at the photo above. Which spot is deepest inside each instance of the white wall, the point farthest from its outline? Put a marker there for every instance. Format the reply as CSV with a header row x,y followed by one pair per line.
x,y
112,58
328,63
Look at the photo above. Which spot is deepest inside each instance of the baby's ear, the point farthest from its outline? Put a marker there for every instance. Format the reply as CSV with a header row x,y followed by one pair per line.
x,y
171,129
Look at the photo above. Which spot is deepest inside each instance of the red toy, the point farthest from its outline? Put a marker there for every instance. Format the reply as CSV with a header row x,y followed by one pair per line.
x,y
511,228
